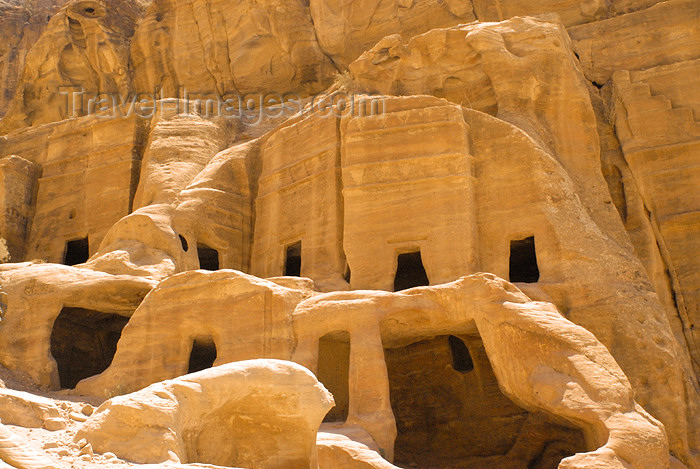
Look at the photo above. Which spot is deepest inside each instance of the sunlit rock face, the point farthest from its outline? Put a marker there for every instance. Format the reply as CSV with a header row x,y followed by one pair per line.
x,y
336,234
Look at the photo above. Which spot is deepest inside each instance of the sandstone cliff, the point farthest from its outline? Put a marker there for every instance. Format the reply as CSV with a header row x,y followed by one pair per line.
x,y
476,222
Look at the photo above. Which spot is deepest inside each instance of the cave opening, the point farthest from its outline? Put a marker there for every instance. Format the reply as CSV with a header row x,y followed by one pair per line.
x,y
410,271
334,372
435,404
183,243
208,257
523,261
461,358
83,343
202,354
292,260
77,251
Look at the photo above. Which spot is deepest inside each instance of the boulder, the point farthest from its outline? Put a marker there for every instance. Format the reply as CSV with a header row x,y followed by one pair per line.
x,y
257,413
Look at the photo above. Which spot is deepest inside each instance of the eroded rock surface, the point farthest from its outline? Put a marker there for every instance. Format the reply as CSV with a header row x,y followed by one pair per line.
x,y
18,454
258,413
236,316
37,294
245,47
25,409
501,314
551,146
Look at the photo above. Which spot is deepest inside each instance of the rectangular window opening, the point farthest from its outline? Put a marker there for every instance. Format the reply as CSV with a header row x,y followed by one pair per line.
x,y
292,261
208,257
523,261
410,272
77,252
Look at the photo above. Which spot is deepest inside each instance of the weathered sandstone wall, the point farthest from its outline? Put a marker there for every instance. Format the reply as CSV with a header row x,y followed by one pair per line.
x,y
531,167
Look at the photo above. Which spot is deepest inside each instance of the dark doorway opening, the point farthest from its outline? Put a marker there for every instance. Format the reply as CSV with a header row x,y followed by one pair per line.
x,y
410,272
461,358
334,372
208,257
77,252
436,405
202,355
523,261
292,261
83,343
